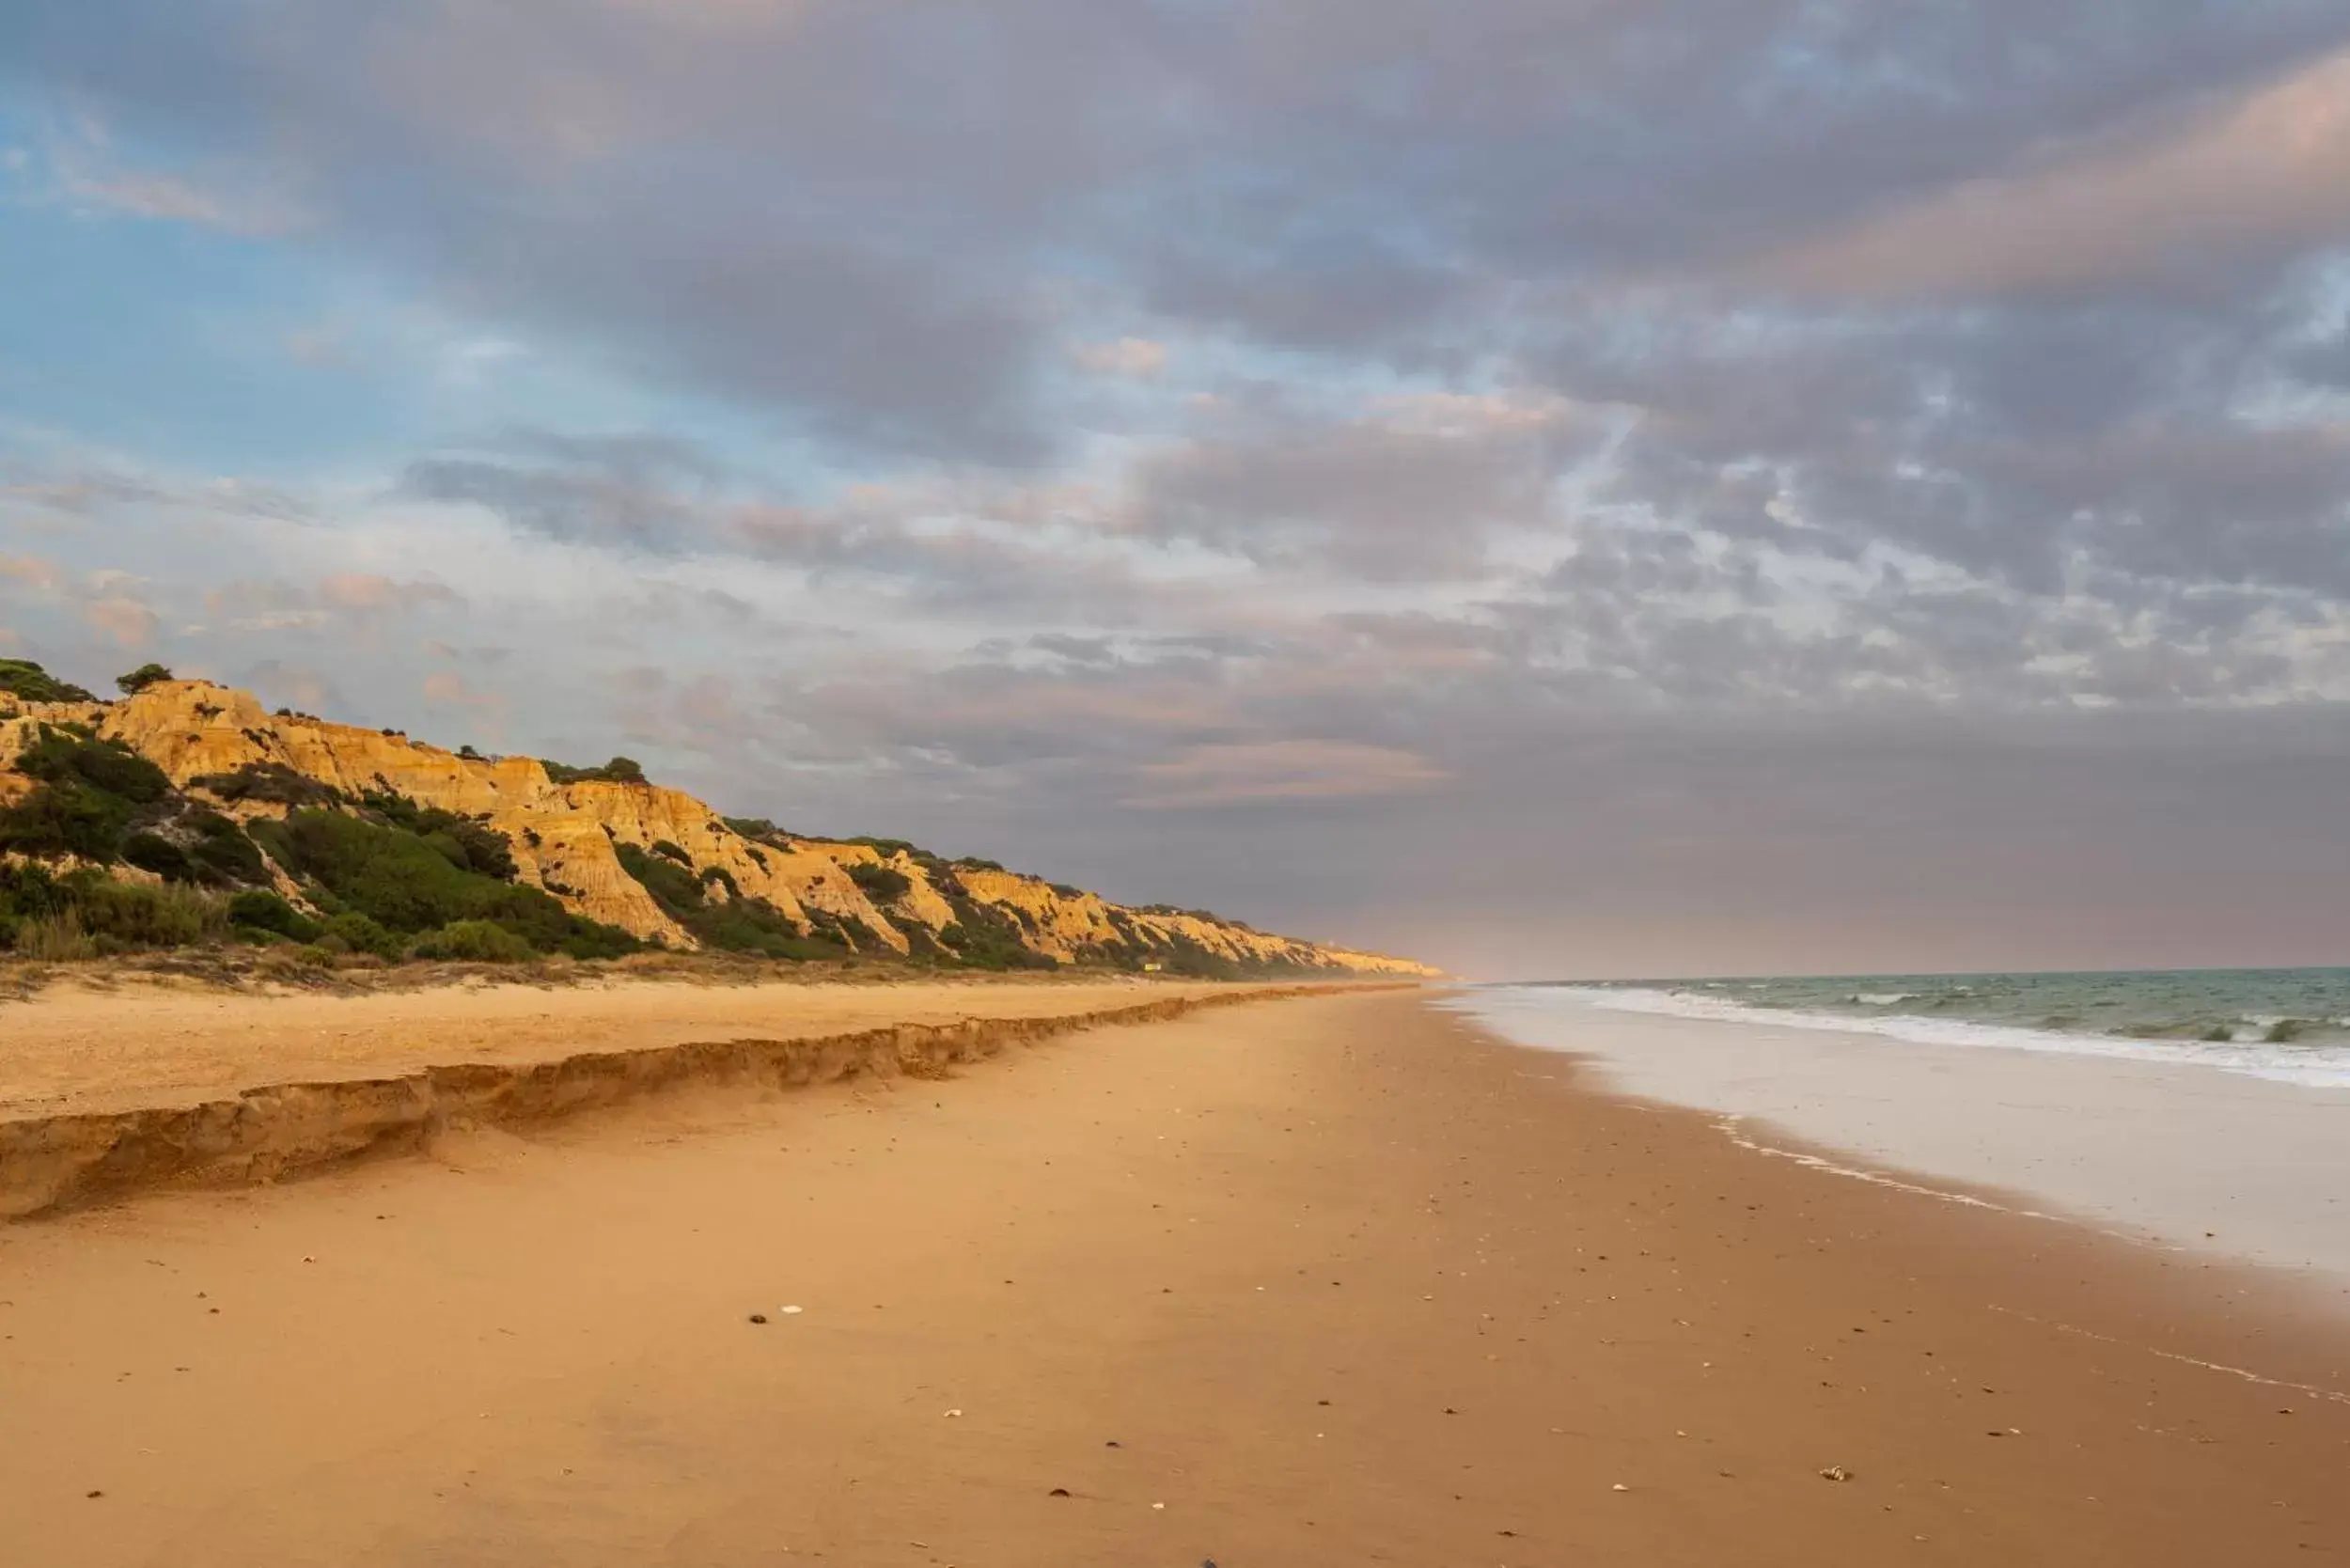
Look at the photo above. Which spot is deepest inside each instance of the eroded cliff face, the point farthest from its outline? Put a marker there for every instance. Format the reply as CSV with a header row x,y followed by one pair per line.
x,y
566,838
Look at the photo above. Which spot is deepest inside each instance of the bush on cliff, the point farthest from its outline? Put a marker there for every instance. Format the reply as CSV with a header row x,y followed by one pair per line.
x,y
27,680
256,909
760,830
982,936
620,770
137,681
406,885
732,925
274,782
881,883
464,843
89,792
221,851
69,754
152,852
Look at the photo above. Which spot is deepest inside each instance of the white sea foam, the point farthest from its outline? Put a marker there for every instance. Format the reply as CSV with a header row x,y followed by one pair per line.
x,y
2311,1066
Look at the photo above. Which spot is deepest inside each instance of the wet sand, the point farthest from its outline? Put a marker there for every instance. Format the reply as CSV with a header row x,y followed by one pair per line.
x,y
1337,1281
2181,1155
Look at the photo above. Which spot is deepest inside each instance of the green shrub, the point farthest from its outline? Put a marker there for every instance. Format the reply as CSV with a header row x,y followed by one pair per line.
x,y
350,933
466,843
1192,961
152,852
30,891
881,883
122,915
888,847
65,755
88,792
585,938
445,844
140,678
274,782
738,925
983,936
222,851
23,678
620,770
672,887
473,942
65,818
668,850
405,886
257,909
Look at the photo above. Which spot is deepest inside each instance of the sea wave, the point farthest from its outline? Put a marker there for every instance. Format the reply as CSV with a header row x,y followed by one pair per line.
x,y
2310,1066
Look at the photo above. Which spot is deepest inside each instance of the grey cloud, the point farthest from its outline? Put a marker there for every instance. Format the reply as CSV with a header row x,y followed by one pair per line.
x,y
844,212
638,492
1378,498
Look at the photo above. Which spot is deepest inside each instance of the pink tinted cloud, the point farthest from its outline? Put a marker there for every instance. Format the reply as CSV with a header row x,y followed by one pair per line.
x,y
30,570
366,592
130,623
2266,174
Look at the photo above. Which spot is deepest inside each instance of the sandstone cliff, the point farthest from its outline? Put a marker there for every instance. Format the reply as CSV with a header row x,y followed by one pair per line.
x,y
573,836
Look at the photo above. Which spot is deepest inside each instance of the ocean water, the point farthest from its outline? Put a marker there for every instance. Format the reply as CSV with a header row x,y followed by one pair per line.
x,y
2290,1025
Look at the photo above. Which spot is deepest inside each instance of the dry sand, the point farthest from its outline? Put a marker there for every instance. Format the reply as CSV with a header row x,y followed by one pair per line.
x,y
77,1048
1334,1282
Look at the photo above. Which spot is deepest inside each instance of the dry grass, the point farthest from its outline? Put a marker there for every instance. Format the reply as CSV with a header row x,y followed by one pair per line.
x,y
55,939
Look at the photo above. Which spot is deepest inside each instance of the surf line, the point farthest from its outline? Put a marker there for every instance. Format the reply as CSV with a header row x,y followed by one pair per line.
x,y
2311,1390
1729,1127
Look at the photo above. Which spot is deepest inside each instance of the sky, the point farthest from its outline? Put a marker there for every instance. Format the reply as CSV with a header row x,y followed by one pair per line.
x,y
1553,487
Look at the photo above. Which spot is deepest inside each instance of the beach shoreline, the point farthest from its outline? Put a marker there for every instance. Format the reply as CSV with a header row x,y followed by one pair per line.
x,y
2206,1160
1335,1279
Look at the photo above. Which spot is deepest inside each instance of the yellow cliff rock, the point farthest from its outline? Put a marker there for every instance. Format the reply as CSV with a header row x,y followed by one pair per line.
x,y
565,838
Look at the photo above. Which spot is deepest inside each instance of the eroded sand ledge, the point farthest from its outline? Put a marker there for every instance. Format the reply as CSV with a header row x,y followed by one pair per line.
x,y
271,1131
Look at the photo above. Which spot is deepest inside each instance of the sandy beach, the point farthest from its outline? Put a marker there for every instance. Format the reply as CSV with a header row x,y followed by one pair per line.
x,y
75,1049
1330,1280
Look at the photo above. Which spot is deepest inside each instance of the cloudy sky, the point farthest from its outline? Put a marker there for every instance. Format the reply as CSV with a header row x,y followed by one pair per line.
x,y
1553,486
